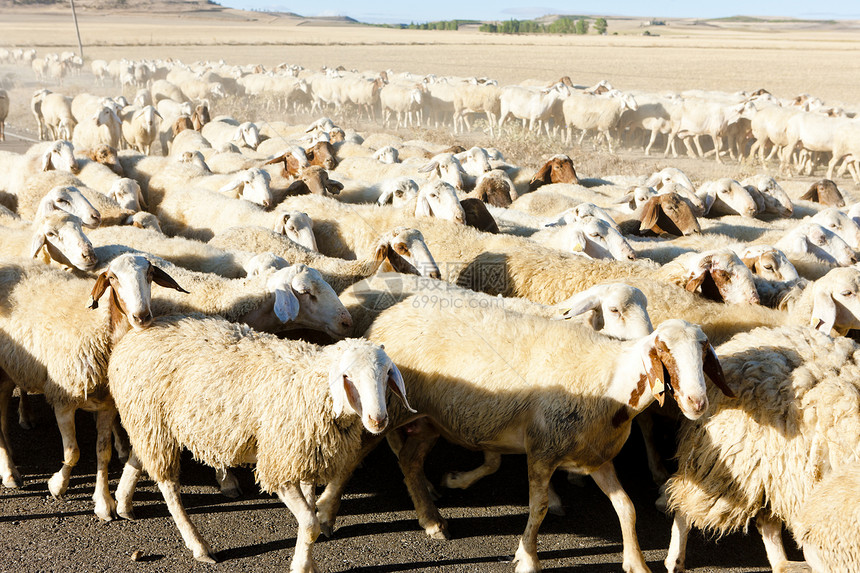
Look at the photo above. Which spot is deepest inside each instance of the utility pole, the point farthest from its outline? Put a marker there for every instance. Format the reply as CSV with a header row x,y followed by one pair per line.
x,y
77,30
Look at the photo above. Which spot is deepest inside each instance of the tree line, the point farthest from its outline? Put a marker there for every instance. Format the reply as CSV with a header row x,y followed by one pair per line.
x,y
563,25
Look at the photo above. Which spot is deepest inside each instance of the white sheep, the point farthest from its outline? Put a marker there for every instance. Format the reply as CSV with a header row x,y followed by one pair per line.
x,y
56,110
220,132
774,199
142,130
827,523
796,415
596,112
591,236
61,349
298,435
55,156
57,236
810,237
527,409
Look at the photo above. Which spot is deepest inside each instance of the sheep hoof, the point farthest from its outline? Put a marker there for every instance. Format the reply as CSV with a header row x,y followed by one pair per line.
x,y
13,481
57,485
439,531
205,557
327,529
792,567
452,480
127,514
232,492
26,423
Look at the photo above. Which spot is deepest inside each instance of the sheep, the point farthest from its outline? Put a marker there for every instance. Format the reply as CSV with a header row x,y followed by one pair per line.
x,y
827,523
314,179
298,227
126,192
557,169
582,211
322,153
693,117
592,236
495,188
794,417
670,176
295,160
56,236
825,192
57,112
401,249
220,132
56,156
269,428
387,154
769,263
824,244
142,130
61,349
841,224
4,113
475,98
476,214
774,199
523,413
188,140
396,190
102,127
534,105
602,113
666,213
107,156
163,89
36,109
405,101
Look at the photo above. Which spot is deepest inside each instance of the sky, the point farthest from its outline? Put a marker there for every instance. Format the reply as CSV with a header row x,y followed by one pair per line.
x,y
379,11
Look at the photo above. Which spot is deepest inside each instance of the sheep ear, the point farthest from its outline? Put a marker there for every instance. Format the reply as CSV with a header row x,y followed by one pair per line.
x,y
399,264
298,187
342,391
37,244
140,199
713,369
629,200
281,223
823,312
163,279
395,382
46,161
811,195
696,280
422,208
98,290
238,135
429,167
232,185
334,187
385,197
654,370
540,178
286,305
750,262
708,200
648,217
280,158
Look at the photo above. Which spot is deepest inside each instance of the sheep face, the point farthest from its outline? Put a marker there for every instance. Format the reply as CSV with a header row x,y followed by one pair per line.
x,y
127,193
303,299
728,197
836,301
144,220
616,309
399,192
299,228
387,154
774,197
445,167
263,263
841,224
406,252
668,213
73,202
597,239
439,199
676,357
814,239
584,210
322,154
358,382
131,277
559,169
247,134
314,180
721,276
825,192
106,155
475,161
60,156
63,238
769,263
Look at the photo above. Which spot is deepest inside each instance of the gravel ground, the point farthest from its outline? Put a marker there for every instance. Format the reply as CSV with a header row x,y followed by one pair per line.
x,y
377,530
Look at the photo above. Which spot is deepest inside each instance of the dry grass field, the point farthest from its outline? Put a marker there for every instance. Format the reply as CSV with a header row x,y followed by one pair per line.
x,y
379,532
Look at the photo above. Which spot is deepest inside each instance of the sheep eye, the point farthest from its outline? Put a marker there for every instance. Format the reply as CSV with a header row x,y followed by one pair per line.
x,y
614,310
398,193
434,195
768,267
594,235
52,234
62,201
401,249
846,293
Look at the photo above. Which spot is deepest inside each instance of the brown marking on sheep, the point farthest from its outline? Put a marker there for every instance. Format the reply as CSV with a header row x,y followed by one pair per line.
x,y
669,214
291,168
493,191
825,192
314,180
637,392
181,123
200,117
106,155
322,154
559,169
478,216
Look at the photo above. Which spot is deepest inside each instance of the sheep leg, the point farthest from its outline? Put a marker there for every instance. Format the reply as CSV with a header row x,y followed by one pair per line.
x,y
771,534
328,503
689,147
395,441
59,482
125,490
718,143
11,476
607,481
655,464
526,556
678,545
832,165
412,454
25,412
464,480
105,505
301,504
227,483
120,440
192,538
651,141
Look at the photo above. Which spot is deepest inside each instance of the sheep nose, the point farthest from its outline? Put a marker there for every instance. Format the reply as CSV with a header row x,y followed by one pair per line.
x,y
853,260
377,424
631,257
143,319
266,203
698,406
435,274
346,322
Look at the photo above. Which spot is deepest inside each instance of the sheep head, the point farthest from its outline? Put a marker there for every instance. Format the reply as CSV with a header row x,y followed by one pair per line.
x,y
616,309
559,169
403,250
836,301
298,227
825,192
668,213
62,238
72,201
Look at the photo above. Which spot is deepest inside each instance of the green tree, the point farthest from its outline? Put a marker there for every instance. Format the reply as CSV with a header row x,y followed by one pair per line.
x,y
600,26
581,26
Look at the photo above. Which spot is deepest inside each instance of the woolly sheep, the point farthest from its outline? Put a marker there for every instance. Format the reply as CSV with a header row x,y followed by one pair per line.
x,y
298,227
591,236
761,454
142,130
495,188
56,156
57,236
727,197
774,198
558,169
61,349
608,371
298,435
827,524
810,237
